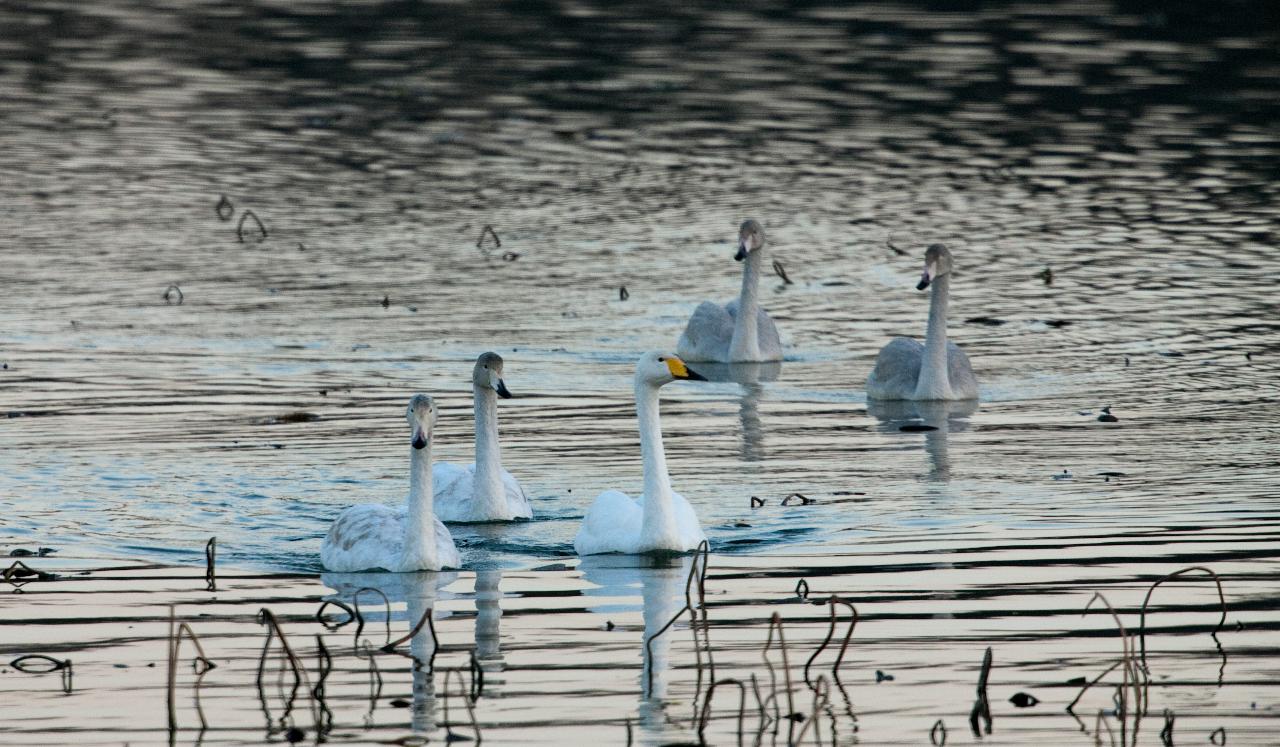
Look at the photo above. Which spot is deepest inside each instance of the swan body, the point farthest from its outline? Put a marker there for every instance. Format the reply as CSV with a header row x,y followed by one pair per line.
x,y
483,490
739,331
660,520
936,370
402,539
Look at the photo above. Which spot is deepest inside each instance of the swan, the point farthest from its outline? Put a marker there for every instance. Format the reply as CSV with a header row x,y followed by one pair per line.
x,y
740,330
408,538
938,369
483,490
661,520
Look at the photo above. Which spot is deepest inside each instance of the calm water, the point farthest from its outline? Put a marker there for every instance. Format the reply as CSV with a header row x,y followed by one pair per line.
x,y
1132,148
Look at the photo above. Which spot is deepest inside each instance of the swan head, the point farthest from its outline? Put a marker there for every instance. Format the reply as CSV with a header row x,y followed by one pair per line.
x,y
657,368
750,238
421,415
488,374
937,262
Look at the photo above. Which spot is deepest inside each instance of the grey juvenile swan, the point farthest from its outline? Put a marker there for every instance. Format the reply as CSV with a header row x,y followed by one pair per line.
x,y
740,330
938,369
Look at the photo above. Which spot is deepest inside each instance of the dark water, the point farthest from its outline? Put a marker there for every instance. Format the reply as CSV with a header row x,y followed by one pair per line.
x,y
1130,148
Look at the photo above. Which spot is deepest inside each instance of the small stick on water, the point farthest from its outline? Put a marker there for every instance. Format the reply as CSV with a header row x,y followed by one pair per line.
x,y
355,600
622,293
938,734
802,589
201,664
224,208
488,231
324,664
351,614
510,256
801,500
262,230
981,708
55,665
831,630
210,559
173,295
705,714
775,623
781,272
757,502
1142,619
1166,734
477,678
1219,736
627,723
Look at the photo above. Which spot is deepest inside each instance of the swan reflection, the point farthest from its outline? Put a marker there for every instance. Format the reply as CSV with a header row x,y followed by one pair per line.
x,y
751,377
942,417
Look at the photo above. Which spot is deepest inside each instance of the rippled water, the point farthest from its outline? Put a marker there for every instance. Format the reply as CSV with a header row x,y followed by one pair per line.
x,y
1131,148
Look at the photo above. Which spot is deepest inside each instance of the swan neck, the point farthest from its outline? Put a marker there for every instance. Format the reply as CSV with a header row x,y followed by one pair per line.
x,y
745,345
420,531
489,491
934,383
659,518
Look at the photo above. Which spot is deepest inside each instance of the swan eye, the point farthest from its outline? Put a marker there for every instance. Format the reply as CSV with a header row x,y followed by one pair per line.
x,y
662,360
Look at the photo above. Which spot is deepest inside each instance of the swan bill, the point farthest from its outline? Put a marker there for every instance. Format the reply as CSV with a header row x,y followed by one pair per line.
x,y
742,252
924,281
502,390
419,439
679,370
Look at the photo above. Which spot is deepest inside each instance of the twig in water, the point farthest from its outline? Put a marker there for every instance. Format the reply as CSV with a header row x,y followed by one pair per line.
x,y
781,272
627,723
488,231
802,500
756,502
210,559
1219,736
1142,620
201,664
173,295
390,647
510,256
325,665
701,552
262,230
266,617
20,570
705,715
623,294
1166,734
802,589
775,623
821,701
224,208
355,600
477,678
938,734
981,708
844,645
351,614
475,727
55,665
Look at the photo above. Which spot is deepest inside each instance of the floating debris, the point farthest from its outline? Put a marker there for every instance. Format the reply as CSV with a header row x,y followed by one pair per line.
x,y
1107,417
488,231
291,417
622,293
989,321
262,230
1064,475
799,498
756,502
781,272
1024,700
981,707
41,664
938,734
1056,323
882,677
386,301
510,256
916,428
802,589
173,295
224,209
1046,275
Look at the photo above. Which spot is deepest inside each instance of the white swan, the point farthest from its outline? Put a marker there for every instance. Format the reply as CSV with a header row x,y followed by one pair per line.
x,y
408,538
483,490
740,330
938,369
661,520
